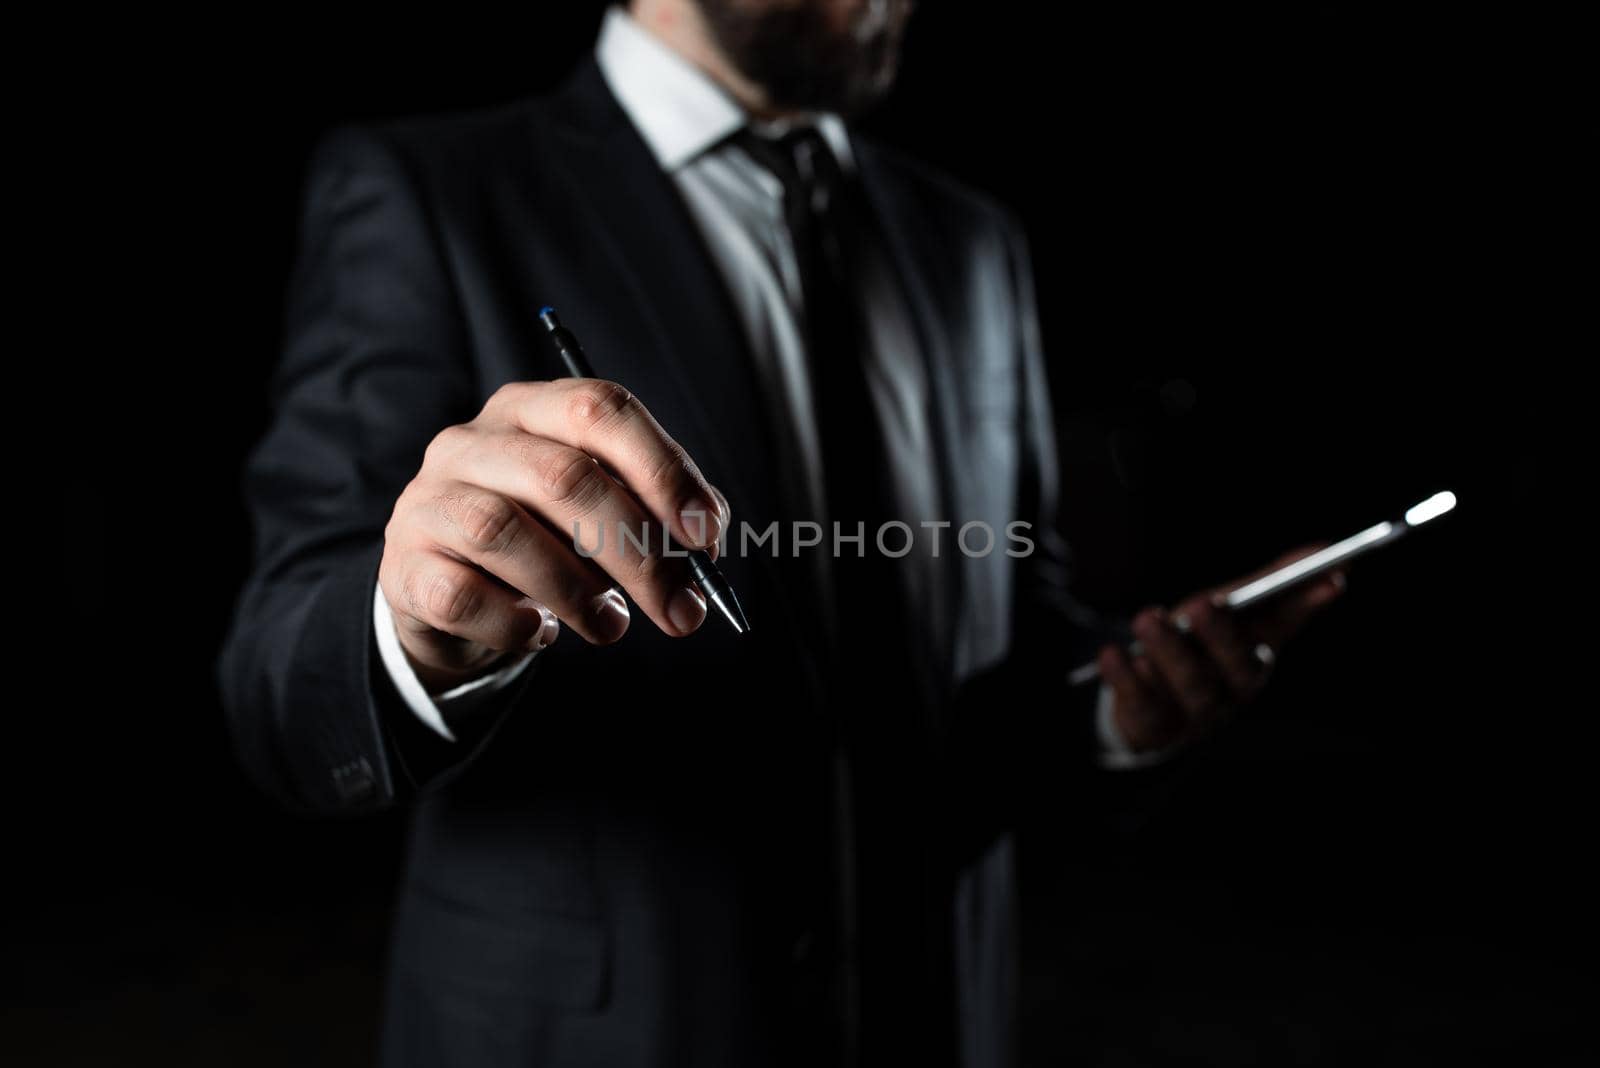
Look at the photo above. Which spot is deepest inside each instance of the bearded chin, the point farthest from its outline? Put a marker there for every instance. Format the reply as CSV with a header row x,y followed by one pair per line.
x,y
801,61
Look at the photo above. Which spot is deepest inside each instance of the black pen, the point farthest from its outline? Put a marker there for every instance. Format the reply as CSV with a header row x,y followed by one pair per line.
x,y
706,575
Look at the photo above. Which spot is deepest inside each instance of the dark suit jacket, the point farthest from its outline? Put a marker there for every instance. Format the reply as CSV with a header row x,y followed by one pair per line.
x,y
598,876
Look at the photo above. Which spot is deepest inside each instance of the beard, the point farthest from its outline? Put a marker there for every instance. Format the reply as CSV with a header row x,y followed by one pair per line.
x,y
808,57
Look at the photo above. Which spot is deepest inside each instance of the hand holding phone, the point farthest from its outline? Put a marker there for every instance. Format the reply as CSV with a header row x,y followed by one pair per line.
x,y
1306,568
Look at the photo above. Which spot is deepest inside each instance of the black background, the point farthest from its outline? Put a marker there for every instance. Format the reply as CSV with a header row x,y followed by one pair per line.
x,y
1286,266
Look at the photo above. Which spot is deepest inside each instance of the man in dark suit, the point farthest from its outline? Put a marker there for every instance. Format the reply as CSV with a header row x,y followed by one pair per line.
x,y
626,849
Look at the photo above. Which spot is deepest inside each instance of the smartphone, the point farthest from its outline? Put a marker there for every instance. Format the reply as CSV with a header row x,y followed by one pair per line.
x,y
1308,567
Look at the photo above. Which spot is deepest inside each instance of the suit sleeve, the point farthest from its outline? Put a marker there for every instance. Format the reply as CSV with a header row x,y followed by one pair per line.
x,y
1053,630
375,361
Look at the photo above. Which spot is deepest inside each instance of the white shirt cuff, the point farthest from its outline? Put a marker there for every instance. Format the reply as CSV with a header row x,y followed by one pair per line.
x,y
1115,753
431,709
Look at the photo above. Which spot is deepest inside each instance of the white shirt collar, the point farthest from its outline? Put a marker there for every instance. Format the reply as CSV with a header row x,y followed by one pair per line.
x,y
676,107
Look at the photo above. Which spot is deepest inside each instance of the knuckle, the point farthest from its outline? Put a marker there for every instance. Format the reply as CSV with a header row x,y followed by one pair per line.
x,y
597,403
447,444
411,583
521,449
644,569
407,515
510,395
670,471
447,597
569,477
488,522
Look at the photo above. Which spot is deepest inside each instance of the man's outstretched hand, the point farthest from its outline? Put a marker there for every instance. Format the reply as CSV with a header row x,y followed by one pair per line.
x,y
480,557
1182,685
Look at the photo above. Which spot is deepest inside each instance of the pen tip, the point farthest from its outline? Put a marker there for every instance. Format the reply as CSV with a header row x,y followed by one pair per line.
x,y
728,605
548,315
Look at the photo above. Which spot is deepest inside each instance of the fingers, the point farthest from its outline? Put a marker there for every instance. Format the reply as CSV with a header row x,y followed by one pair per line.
x,y
453,619
714,550
1286,615
598,523
1279,618
1145,716
496,534
1192,680
576,504
1231,648
605,421
483,527
1222,661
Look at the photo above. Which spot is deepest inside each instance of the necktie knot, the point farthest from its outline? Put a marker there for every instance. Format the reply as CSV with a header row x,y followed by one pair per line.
x,y
801,159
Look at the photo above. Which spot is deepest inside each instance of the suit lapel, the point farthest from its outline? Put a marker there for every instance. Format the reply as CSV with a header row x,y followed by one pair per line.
x,y
668,312
888,204
664,272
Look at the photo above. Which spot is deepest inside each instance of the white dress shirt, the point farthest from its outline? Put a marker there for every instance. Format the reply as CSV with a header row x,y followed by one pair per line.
x,y
685,118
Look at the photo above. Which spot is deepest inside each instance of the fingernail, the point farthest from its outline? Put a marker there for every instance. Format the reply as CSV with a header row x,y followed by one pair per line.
x,y
610,616
546,633
686,610
702,522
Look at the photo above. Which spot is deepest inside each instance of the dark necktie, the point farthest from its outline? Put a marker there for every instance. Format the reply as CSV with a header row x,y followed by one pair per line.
x,y
877,679
825,221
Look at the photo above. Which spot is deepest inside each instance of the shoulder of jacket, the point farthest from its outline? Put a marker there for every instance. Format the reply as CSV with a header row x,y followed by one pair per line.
x,y
935,187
